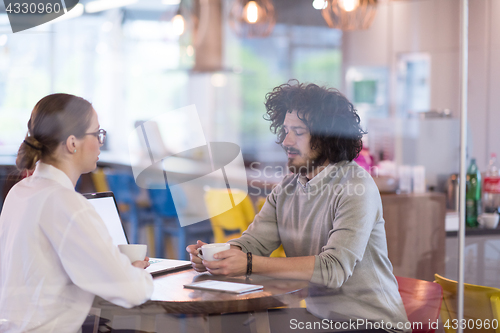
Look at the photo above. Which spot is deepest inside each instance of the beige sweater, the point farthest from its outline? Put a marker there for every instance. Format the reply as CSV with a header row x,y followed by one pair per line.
x,y
337,217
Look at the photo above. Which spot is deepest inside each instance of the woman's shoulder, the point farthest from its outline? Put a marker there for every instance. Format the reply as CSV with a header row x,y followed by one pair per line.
x,y
45,201
66,200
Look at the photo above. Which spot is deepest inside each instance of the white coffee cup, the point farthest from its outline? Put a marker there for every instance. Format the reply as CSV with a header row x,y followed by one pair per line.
x,y
488,220
207,251
134,252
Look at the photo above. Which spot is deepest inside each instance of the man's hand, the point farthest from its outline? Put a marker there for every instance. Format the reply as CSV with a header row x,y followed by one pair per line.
x,y
193,256
141,263
233,263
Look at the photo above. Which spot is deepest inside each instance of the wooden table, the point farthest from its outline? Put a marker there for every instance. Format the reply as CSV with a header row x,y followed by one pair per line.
x,y
171,298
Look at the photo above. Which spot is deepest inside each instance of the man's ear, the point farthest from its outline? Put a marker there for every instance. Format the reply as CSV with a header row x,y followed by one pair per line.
x,y
71,144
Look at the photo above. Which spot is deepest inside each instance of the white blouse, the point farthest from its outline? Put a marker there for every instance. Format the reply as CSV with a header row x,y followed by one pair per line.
x,y
56,255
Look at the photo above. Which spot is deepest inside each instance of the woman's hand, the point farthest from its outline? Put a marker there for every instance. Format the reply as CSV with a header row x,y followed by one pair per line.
x,y
232,262
193,256
142,263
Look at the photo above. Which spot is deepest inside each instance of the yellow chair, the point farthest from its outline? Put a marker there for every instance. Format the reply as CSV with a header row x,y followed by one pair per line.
x,y
231,223
481,305
99,179
279,252
260,203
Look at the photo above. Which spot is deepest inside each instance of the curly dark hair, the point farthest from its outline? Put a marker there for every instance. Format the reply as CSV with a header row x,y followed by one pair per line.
x,y
330,117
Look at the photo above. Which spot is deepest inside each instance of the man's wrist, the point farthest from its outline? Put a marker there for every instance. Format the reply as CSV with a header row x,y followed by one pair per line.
x,y
249,264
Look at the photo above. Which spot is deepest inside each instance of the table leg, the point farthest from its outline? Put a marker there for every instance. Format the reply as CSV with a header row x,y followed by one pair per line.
x,y
261,322
181,247
159,238
134,223
480,263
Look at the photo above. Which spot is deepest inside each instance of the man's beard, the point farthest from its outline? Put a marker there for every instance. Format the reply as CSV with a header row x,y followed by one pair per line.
x,y
310,164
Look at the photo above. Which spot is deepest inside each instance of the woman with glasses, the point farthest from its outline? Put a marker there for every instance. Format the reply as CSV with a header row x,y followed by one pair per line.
x,y
55,251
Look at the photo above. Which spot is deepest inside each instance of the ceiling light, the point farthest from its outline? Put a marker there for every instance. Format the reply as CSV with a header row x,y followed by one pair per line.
x,y
254,18
348,5
251,12
319,4
178,24
350,14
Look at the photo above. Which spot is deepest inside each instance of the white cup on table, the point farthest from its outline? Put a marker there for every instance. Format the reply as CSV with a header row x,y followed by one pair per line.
x,y
134,252
488,220
207,251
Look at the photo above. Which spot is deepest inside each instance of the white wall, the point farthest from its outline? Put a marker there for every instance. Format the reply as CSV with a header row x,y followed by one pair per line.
x,y
433,26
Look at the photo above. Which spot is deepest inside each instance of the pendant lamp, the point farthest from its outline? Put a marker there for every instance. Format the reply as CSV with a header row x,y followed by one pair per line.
x,y
349,14
252,18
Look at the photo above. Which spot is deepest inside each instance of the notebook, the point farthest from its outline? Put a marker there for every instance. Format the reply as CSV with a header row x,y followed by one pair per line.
x,y
105,205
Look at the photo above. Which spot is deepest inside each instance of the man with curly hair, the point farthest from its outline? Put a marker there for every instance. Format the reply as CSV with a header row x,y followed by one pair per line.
x,y
327,214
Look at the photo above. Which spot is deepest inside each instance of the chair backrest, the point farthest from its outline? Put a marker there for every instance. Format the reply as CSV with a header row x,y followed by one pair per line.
x,y
99,180
422,302
260,203
163,202
123,186
481,305
235,220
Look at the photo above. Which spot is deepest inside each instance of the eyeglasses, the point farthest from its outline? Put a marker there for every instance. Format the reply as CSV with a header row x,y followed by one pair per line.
x,y
100,135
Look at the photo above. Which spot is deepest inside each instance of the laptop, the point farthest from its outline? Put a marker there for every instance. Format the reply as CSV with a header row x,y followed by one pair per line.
x,y
105,205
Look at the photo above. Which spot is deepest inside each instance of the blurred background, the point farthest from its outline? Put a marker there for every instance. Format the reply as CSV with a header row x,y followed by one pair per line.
x,y
398,61
132,64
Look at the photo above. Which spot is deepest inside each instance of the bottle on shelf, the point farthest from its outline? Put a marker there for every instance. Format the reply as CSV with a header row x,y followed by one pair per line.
x,y
473,195
491,187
